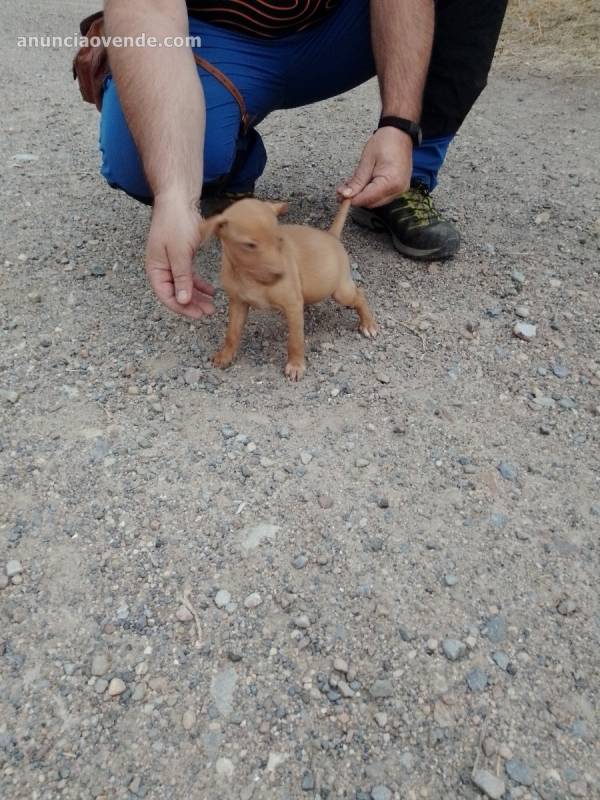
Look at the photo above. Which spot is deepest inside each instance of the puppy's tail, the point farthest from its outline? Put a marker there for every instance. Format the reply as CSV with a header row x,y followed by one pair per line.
x,y
340,218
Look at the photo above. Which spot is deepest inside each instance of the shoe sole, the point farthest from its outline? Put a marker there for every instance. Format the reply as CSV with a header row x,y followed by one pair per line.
x,y
367,219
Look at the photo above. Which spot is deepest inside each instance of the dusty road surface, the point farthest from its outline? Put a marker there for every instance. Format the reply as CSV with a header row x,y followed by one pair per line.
x,y
379,583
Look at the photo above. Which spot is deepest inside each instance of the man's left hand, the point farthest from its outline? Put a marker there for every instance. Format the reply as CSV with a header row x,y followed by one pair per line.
x,y
384,170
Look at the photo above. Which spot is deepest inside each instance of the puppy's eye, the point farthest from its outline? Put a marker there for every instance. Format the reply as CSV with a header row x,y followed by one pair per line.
x,y
250,245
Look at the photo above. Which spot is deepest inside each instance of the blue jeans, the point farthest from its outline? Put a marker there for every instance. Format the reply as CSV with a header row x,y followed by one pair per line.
x,y
293,71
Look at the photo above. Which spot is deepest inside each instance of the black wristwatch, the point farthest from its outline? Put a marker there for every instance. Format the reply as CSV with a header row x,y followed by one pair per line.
x,y
413,129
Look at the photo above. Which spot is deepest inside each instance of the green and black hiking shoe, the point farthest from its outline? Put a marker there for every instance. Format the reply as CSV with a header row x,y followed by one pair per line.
x,y
416,227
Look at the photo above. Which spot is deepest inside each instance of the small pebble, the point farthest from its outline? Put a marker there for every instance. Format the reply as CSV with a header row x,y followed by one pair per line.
x,y
381,792
222,598
453,649
504,751
13,568
579,789
492,786
100,665
519,772
566,607
340,665
192,376
477,679
381,689
183,614
253,600
139,692
495,628
501,659
300,562
524,331
188,720
116,687
560,371
224,767
308,782
508,471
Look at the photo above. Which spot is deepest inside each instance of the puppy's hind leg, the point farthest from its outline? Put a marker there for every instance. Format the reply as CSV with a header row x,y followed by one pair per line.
x,y
238,313
352,296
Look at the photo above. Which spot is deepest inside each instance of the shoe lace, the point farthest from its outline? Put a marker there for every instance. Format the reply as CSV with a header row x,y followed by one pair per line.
x,y
418,200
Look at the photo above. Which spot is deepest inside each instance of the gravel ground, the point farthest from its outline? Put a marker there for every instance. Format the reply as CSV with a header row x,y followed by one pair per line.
x,y
379,583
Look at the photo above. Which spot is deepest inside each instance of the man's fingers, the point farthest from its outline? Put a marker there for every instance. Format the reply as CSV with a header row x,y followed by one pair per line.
x,y
191,310
203,302
377,193
181,269
203,286
199,304
359,180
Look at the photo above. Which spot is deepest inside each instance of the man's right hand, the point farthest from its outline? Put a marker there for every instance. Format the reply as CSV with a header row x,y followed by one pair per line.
x,y
172,243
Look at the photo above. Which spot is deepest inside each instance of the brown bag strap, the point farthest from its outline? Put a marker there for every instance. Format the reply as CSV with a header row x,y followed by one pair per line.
x,y
231,88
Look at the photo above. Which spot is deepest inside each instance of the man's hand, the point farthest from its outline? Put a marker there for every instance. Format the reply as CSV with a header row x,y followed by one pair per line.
x,y
384,170
163,104
172,243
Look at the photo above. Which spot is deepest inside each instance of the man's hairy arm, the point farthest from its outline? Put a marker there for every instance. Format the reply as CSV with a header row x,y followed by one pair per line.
x,y
163,103
402,36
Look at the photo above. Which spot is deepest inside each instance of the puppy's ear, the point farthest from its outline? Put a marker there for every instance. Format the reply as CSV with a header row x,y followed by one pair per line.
x,y
279,208
211,227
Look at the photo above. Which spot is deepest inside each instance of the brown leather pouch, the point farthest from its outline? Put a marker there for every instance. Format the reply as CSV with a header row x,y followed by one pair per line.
x,y
90,68
90,65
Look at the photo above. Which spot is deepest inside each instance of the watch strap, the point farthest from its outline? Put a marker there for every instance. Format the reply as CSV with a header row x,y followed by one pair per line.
x,y
413,129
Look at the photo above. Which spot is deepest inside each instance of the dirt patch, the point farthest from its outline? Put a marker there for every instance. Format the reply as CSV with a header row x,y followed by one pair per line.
x,y
552,36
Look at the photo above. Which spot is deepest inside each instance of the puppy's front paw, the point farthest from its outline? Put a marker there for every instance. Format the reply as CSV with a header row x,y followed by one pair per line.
x,y
222,359
295,370
369,329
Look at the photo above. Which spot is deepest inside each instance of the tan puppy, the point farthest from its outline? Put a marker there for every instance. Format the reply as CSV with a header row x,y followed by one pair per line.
x,y
268,265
